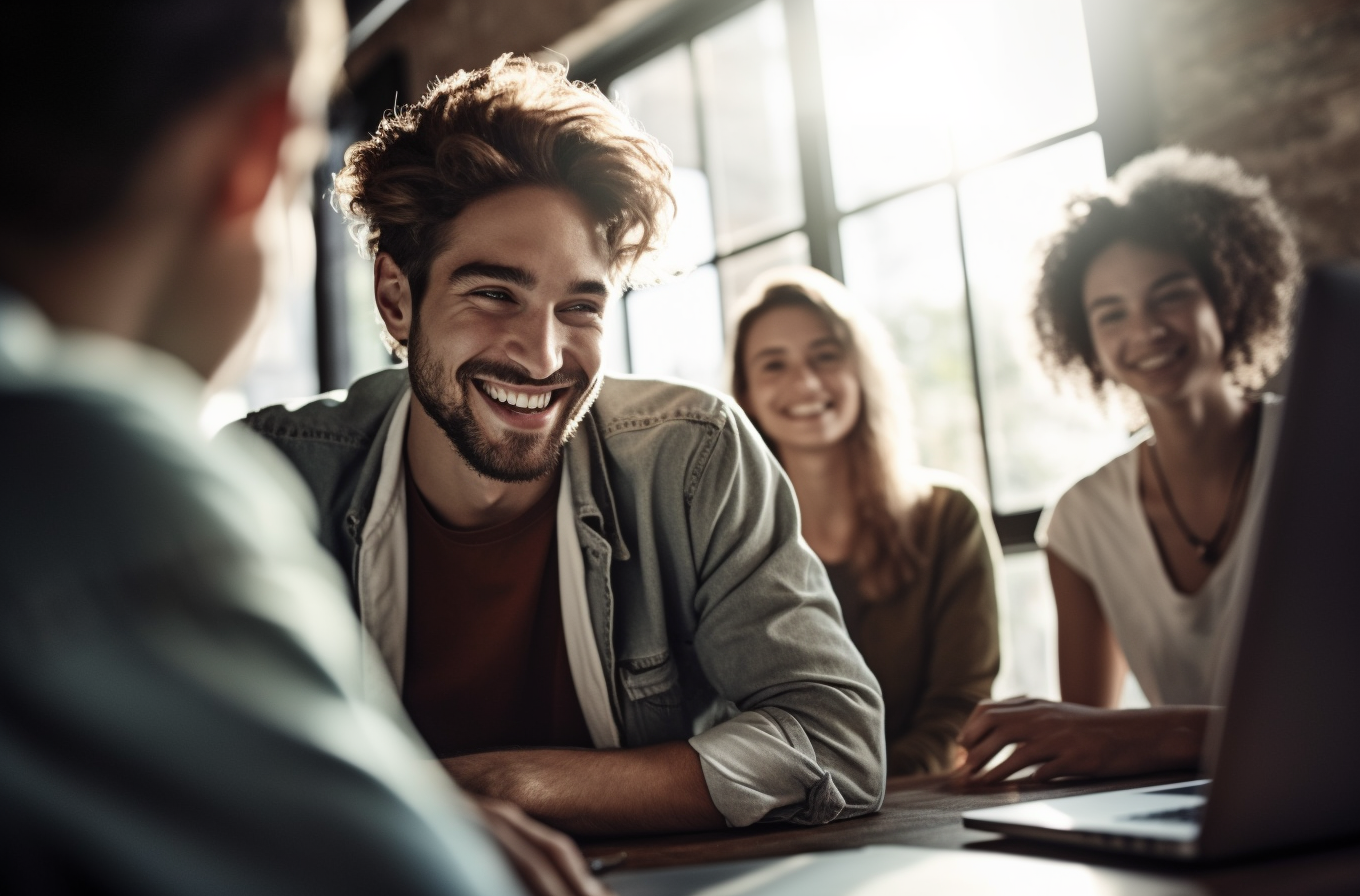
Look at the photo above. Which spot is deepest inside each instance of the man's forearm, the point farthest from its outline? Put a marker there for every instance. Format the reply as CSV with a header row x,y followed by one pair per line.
x,y
636,791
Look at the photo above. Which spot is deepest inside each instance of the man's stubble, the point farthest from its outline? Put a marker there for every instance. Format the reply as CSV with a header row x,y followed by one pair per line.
x,y
517,457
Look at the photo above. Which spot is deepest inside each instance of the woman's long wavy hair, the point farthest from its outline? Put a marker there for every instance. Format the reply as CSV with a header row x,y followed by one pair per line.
x,y
880,451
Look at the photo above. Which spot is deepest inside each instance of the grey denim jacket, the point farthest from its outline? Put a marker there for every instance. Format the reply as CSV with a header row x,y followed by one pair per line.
x,y
713,620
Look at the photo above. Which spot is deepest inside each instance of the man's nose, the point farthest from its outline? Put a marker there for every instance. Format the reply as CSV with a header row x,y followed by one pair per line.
x,y
535,343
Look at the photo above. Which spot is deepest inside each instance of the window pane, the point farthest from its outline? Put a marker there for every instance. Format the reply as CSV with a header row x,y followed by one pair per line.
x,y
902,260
1029,634
660,95
1029,629
736,272
884,66
675,329
615,345
1039,440
690,241
749,135
1023,75
905,78
363,327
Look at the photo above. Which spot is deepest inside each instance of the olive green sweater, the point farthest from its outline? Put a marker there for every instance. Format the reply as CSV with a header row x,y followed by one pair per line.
x,y
933,645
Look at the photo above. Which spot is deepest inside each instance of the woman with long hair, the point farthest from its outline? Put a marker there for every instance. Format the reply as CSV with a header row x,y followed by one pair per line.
x,y
910,555
1175,285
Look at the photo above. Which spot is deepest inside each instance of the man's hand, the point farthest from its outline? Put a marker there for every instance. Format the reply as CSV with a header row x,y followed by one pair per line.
x,y
642,790
1070,739
547,861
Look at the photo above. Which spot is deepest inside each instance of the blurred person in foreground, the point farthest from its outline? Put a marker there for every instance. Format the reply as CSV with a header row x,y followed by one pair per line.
x,y
180,706
910,554
1175,285
590,590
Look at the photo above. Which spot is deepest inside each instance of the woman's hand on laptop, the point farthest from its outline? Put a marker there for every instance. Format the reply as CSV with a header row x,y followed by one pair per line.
x,y
1069,739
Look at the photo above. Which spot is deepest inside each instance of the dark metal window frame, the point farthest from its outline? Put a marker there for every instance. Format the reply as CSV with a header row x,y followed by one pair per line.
x,y
1124,122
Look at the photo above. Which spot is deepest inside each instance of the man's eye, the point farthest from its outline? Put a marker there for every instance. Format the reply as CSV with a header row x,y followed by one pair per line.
x,y
584,308
496,295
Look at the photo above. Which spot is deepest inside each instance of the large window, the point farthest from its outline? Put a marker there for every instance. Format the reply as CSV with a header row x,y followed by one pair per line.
x,y
723,103
920,151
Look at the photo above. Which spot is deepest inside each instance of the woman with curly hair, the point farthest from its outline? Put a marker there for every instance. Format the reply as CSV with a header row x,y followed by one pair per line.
x,y
1175,285
910,556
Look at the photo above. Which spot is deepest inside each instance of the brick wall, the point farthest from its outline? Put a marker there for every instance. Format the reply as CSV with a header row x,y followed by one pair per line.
x,y
1275,83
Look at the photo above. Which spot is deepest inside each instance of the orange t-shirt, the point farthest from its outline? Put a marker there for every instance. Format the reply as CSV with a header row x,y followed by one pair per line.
x,y
486,658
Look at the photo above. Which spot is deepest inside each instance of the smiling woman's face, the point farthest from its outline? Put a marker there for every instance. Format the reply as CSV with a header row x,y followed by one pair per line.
x,y
802,387
1152,323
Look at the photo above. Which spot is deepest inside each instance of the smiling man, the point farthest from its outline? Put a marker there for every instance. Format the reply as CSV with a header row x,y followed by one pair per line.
x,y
590,591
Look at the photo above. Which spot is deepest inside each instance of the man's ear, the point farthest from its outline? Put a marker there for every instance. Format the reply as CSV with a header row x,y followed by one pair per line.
x,y
392,291
266,121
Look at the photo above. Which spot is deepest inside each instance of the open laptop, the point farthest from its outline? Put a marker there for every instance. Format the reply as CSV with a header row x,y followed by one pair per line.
x,y
1282,754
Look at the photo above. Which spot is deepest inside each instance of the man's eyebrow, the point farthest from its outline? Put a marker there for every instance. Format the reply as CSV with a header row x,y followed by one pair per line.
x,y
475,269
590,288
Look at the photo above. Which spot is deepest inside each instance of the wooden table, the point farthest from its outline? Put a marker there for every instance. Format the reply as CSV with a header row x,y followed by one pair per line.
x,y
926,812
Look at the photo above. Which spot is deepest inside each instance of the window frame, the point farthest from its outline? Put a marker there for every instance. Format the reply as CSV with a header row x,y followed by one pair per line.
x,y
1124,120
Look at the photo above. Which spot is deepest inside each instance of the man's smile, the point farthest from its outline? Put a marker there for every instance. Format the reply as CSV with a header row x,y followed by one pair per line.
x,y
526,401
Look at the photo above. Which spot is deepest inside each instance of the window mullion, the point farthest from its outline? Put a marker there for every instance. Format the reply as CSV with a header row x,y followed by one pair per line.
x,y
971,318
814,145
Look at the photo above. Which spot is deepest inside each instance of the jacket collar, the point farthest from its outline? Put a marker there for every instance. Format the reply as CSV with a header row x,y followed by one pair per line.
x,y
591,492
393,387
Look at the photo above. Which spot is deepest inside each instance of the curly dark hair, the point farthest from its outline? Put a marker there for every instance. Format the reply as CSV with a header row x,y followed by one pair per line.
x,y
1207,210
516,122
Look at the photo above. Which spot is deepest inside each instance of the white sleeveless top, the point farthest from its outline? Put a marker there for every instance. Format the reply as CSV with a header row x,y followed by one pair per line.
x,y
1178,645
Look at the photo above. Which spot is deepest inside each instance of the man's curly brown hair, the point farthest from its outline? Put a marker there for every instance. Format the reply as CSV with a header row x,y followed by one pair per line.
x,y
517,122
1204,208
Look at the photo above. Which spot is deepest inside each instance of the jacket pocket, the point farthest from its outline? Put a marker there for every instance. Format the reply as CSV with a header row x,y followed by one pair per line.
x,y
651,678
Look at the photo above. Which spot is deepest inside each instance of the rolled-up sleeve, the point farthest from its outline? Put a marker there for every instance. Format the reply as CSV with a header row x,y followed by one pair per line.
x,y
807,745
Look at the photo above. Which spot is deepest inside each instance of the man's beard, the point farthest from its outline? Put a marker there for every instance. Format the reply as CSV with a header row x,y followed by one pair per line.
x,y
517,456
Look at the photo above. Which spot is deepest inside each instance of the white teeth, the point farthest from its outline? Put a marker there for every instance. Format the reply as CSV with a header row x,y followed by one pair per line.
x,y
806,409
518,399
1154,362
